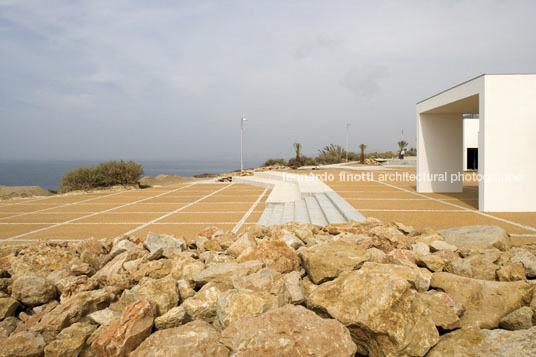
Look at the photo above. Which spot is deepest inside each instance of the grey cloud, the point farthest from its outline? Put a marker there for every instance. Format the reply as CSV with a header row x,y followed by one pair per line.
x,y
308,48
365,80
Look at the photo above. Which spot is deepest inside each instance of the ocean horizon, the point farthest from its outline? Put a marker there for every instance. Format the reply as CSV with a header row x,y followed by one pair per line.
x,y
48,173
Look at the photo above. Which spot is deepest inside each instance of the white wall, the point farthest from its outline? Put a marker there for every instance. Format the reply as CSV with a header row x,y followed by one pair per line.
x,y
439,141
509,136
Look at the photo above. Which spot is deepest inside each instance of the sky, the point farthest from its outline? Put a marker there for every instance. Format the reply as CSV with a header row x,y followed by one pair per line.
x,y
171,80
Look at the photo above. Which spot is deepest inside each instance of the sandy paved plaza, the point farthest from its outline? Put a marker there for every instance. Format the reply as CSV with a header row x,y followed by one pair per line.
x,y
185,209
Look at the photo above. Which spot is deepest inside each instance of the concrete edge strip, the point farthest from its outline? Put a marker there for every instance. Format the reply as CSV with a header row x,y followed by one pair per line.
x,y
248,213
94,214
177,210
465,208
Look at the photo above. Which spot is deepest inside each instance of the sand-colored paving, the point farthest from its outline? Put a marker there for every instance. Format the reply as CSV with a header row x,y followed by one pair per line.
x,y
392,200
185,209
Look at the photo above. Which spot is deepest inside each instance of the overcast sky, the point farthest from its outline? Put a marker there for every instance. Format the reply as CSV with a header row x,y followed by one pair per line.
x,y
92,79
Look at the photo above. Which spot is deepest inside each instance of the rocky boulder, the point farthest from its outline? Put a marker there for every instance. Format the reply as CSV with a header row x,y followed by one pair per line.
x,y
127,332
162,293
291,331
224,272
70,341
326,261
33,290
487,302
275,255
234,305
169,245
387,318
196,338
478,237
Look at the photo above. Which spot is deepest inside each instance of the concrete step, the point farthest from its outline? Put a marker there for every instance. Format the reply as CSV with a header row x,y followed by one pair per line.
x,y
346,209
316,215
300,212
277,214
288,212
331,212
266,214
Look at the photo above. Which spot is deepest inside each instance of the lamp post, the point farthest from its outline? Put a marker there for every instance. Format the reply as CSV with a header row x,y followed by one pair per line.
x,y
242,120
347,128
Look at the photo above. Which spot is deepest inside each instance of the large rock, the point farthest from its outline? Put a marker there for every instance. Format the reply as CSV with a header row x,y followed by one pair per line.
x,y
501,343
443,315
162,293
485,263
73,310
33,290
288,331
224,272
184,267
169,244
518,319
244,244
202,306
384,314
326,261
523,256
458,343
234,305
127,332
70,341
486,301
419,278
460,267
265,280
23,344
492,343
196,338
511,272
8,305
275,255
173,318
478,237
155,269
294,286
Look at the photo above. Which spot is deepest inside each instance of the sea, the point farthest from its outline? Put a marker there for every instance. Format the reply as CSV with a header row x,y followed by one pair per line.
x,y
48,173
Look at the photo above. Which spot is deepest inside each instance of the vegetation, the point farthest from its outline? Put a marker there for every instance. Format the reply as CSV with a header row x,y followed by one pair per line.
x,y
402,144
297,149
271,162
105,174
333,154
362,158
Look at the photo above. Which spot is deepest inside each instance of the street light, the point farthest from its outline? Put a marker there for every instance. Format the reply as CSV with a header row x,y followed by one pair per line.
x,y
347,128
242,120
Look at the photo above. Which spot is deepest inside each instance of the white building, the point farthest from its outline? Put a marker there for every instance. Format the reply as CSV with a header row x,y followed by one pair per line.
x,y
506,105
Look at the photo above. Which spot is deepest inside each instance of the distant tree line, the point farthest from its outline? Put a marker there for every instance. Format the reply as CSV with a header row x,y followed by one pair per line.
x,y
334,154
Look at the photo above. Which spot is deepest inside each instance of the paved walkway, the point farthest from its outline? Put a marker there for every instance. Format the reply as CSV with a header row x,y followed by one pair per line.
x,y
387,194
183,209
186,209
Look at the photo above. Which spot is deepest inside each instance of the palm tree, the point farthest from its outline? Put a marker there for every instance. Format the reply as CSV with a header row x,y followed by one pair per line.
x,y
362,147
297,149
402,144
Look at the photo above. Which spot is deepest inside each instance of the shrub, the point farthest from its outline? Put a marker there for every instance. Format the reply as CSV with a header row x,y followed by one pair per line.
x,y
105,174
271,162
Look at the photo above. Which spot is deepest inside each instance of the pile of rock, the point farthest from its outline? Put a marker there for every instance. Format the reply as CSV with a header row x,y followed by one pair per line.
x,y
359,288
372,162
